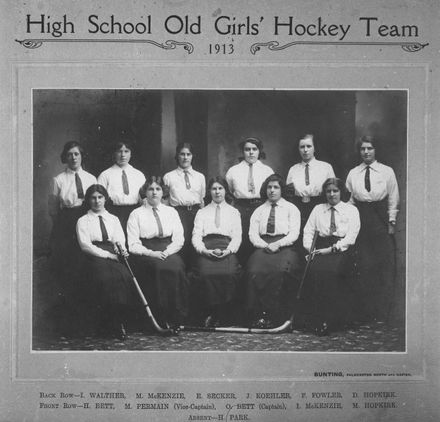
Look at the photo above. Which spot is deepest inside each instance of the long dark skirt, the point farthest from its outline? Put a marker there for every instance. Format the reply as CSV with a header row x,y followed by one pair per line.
x,y
187,216
246,207
272,282
327,290
218,278
65,254
377,261
109,282
122,212
163,282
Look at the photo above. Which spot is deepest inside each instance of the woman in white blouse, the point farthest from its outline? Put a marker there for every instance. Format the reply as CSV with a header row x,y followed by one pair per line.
x,y
187,188
65,207
155,236
122,182
244,181
216,239
108,280
305,179
374,191
272,271
330,275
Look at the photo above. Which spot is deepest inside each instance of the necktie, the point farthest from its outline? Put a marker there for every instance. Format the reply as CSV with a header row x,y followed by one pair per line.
x,y
125,187
367,179
103,229
307,175
217,216
79,187
187,183
159,224
332,221
271,220
251,184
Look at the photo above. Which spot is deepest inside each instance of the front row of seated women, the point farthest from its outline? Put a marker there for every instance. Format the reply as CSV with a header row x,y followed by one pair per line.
x,y
271,275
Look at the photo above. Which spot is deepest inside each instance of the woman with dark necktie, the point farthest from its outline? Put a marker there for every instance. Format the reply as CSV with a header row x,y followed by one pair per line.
x,y
65,207
187,188
216,239
330,277
155,236
122,182
108,282
305,179
374,191
273,269
244,181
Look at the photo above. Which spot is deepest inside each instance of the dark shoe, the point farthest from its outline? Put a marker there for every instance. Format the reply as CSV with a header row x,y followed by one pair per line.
x,y
322,330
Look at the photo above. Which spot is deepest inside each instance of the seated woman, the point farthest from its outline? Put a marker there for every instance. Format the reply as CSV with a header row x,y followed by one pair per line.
x,y
272,270
337,224
108,280
216,239
155,235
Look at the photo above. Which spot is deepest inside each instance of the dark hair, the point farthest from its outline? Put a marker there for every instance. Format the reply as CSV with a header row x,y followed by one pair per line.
x,y
367,138
116,146
68,146
150,180
257,143
91,190
272,178
339,184
222,181
179,148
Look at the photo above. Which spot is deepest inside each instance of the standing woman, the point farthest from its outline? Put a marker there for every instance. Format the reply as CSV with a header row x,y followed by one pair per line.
x,y
155,235
375,193
272,271
65,207
216,239
307,178
331,271
187,188
108,280
122,182
245,180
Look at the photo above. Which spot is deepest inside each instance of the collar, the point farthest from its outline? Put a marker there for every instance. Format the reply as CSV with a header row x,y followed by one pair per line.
x,y
181,170
70,171
280,203
116,167
337,207
310,163
104,214
148,206
373,165
246,164
214,205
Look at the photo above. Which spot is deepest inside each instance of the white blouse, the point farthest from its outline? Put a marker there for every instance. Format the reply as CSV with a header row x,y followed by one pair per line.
x,y
111,179
319,172
230,225
142,224
347,224
287,223
179,194
383,184
237,178
64,193
88,230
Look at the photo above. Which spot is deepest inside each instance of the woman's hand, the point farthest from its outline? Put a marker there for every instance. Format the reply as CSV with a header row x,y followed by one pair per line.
x,y
273,247
210,253
159,255
113,257
120,250
323,251
224,253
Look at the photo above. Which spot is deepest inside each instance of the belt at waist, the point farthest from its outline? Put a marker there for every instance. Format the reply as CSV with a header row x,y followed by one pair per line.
x,y
188,207
248,201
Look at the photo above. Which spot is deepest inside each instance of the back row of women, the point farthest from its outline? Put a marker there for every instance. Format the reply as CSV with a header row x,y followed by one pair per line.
x,y
261,239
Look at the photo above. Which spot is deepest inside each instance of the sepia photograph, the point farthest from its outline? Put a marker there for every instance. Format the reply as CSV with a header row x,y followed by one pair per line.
x,y
213,219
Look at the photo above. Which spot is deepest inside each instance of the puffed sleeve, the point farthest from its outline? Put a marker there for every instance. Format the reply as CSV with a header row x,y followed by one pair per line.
x,y
177,238
54,198
254,230
294,217
133,234
393,195
354,226
235,222
197,234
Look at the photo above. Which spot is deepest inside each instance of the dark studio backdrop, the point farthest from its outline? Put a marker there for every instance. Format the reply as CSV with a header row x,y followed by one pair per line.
x,y
215,121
